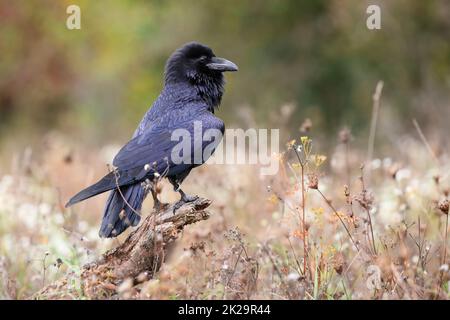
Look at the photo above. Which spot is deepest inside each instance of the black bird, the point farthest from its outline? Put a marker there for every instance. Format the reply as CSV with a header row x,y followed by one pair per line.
x,y
193,89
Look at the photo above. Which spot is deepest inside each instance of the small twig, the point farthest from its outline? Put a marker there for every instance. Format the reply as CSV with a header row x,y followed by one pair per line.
x,y
364,190
116,176
347,166
305,239
445,240
340,219
44,267
295,257
303,216
351,263
234,269
399,281
277,270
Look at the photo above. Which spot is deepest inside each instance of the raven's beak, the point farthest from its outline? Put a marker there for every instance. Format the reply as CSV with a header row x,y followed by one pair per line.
x,y
221,64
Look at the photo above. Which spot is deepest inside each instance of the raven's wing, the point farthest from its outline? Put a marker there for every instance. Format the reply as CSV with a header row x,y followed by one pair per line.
x,y
155,146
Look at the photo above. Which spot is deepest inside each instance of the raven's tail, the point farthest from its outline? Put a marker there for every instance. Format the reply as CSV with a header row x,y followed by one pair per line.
x,y
122,210
107,183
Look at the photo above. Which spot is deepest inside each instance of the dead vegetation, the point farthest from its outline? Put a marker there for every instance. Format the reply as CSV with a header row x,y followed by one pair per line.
x,y
134,261
327,226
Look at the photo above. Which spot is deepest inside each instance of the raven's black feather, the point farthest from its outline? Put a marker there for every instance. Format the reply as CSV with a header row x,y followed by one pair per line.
x,y
111,226
105,184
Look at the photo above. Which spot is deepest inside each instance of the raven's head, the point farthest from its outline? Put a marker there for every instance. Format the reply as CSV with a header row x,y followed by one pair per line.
x,y
197,65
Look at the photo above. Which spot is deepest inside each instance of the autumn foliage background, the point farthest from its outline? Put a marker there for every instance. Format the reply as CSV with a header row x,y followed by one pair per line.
x,y
70,99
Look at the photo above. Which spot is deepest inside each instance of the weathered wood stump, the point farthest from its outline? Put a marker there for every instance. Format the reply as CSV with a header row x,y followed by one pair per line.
x,y
137,259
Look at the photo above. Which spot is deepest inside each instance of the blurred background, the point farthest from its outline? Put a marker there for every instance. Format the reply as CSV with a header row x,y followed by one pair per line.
x,y
70,98
315,58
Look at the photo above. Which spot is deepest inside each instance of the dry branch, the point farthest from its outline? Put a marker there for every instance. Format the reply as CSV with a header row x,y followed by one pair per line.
x,y
139,257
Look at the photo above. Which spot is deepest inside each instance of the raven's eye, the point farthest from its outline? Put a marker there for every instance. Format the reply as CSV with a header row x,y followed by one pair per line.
x,y
203,58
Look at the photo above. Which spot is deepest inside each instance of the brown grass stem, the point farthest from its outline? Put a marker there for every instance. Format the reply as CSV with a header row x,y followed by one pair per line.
x,y
425,141
373,125
340,219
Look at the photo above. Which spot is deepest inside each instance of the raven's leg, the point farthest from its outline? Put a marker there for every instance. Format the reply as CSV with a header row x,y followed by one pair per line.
x,y
185,198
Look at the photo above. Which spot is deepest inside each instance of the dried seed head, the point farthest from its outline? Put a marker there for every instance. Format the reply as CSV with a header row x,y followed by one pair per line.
x,y
338,262
197,246
345,135
393,169
59,262
307,226
313,181
365,199
306,126
68,158
436,179
319,159
346,191
444,206
290,144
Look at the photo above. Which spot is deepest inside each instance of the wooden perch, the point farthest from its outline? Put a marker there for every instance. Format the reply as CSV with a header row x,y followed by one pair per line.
x,y
137,259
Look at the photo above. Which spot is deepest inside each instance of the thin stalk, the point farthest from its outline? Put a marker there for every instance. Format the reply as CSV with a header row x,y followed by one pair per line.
x,y
371,231
340,219
425,141
305,240
295,258
445,240
373,126
347,165
368,215
441,277
303,218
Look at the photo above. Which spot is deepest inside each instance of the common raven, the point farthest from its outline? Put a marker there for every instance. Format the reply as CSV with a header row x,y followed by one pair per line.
x,y
193,88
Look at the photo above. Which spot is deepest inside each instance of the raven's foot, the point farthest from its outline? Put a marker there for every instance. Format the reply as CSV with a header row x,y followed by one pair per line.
x,y
185,198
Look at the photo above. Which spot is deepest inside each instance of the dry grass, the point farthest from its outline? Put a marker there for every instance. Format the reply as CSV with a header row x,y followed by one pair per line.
x,y
337,237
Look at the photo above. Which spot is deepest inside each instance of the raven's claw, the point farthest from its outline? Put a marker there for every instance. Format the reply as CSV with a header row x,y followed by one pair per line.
x,y
185,198
188,198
